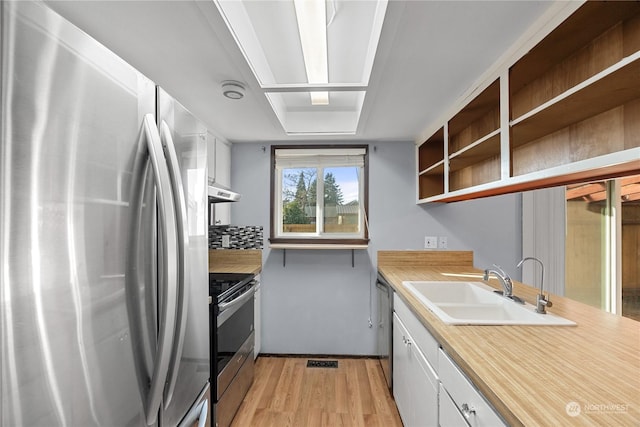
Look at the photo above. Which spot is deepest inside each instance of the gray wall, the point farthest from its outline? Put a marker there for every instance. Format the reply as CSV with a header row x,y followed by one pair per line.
x,y
318,303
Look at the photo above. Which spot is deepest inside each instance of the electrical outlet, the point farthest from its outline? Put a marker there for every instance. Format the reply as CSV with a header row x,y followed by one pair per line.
x,y
226,240
442,242
430,242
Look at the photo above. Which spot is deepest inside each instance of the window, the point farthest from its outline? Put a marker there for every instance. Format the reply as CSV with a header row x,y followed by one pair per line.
x,y
319,194
603,244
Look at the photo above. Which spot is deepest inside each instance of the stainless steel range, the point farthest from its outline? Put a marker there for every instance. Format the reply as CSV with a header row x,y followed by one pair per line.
x,y
232,342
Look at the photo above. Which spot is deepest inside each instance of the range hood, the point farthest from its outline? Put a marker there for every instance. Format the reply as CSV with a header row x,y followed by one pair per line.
x,y
218,194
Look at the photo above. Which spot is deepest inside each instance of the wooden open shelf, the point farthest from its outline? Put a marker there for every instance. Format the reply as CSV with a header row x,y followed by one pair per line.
x,y
437,169
567,110
479,151
609,132
431,183
431,151
476,120
569,39
478,173
611,88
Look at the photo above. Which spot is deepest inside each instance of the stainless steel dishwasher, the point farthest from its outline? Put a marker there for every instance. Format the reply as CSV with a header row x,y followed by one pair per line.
x,y
385,328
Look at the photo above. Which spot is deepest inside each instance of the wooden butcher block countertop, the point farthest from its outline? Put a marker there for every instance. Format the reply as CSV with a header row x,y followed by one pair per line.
x,y
235,261
530,374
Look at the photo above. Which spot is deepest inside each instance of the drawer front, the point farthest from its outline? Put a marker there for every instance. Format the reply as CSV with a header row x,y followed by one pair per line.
x,y
469,401
425,341
449,414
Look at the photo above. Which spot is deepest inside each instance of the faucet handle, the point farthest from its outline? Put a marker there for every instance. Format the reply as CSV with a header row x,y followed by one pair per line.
x,y
542,303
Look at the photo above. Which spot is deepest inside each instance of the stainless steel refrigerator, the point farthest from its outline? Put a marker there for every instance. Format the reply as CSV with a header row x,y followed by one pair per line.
x,y
103,236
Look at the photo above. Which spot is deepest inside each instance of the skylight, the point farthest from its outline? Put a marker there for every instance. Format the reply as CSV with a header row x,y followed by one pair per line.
x,y
312,91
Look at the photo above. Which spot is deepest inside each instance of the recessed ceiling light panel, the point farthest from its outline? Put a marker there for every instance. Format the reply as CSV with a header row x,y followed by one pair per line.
x,y
312,58
267,34
298,117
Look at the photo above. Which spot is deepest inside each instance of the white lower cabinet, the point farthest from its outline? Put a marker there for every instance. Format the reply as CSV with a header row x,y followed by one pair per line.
x,y
401,371
472,408
415,383
450,416
428,387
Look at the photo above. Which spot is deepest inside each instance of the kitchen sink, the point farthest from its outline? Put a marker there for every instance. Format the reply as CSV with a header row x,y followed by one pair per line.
x,y
475,303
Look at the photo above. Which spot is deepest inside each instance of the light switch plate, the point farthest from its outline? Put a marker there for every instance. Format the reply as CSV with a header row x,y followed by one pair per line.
x,y
442,242
226,240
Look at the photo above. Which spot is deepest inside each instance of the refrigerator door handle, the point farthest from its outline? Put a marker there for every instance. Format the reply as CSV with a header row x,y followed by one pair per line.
x,y
183,258
168,264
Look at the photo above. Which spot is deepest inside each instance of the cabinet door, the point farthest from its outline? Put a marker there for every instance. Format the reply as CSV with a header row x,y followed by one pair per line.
x,y
401,360
424,390
223,213
211,157
424,340
449,414
223,163
223,178
415,384
469,401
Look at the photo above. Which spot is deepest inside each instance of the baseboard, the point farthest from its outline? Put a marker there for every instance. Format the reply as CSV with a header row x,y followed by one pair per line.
x,y
320,356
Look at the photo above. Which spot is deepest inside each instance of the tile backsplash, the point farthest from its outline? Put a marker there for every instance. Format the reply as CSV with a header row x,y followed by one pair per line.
x,y
236,237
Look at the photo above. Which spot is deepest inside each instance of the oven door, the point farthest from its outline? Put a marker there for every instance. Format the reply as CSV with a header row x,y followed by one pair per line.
x,y
233,341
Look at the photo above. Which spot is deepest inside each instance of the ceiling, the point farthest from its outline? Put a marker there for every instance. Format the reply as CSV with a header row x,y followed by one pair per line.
x,y
429,54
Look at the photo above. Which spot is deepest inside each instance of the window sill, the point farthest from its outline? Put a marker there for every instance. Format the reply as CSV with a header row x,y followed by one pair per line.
x,y
317,246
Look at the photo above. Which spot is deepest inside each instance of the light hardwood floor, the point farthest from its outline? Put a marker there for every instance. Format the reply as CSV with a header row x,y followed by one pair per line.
x,y
287,393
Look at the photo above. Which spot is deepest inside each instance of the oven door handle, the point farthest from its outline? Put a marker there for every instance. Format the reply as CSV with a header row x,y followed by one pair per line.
x,y
226,309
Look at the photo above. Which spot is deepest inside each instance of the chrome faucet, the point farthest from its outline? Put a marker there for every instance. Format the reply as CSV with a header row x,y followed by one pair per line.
x,y
542,302
507,284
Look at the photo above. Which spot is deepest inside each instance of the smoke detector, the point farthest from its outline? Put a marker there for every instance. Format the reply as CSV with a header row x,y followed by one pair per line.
x,y
233,89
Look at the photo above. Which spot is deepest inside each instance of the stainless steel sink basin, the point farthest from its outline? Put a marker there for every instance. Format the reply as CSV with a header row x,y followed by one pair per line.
x,y
474,303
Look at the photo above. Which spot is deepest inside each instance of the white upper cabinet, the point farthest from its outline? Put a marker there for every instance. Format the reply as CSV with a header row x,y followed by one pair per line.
x,y
218,160
219,167
211,156
223,163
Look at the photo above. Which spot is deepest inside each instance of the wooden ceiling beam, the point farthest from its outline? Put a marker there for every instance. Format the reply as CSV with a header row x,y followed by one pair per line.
x,y
596,191
583,190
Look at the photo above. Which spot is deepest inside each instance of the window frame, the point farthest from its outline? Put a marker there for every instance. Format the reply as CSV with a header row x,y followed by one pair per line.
x,y
326,239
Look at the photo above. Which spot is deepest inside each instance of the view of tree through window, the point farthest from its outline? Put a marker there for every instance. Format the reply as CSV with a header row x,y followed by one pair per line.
x,y
298,200
319,195
339,207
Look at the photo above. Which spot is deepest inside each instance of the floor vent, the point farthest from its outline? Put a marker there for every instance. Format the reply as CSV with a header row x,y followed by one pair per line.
x,y
322,363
